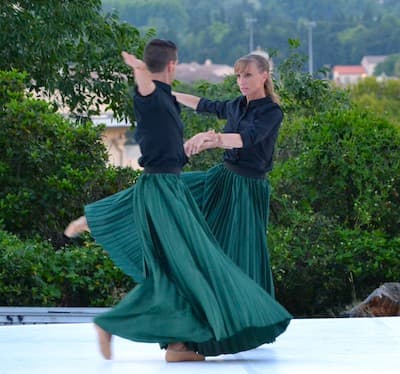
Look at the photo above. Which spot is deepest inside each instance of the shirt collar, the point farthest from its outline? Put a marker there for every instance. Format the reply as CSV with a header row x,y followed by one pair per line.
x,y
257,102
164,86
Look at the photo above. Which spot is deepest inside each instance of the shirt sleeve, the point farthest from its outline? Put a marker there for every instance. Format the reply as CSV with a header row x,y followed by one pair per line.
x,y
220,108
262,126
147,101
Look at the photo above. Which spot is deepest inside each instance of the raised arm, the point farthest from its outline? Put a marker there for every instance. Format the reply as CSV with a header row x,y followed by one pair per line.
x,y
188,100
143,77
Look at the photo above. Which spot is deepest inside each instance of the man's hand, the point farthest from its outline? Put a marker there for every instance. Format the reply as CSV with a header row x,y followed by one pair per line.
x,y
143,77
132,61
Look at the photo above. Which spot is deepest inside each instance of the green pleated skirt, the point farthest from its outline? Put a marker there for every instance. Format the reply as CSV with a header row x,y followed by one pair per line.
x,y
190,290
236,209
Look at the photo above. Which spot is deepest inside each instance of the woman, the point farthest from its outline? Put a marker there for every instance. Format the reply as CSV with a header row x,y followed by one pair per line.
x,y
191,297
234,196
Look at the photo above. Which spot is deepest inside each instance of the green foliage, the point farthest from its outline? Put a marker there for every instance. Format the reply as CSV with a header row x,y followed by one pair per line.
x,y
380,97
146,14
389,67
320,269
12,87
70,51
49,167
32,273
301,93
343,164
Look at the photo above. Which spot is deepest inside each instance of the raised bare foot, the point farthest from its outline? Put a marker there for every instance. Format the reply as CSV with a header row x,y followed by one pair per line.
x,y
76,227
178,352
104,339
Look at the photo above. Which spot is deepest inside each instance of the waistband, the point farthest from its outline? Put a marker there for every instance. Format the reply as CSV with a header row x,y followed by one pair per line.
x,y
245,172
162,170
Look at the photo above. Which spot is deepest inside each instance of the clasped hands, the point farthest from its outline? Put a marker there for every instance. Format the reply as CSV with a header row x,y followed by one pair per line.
x,y
201,142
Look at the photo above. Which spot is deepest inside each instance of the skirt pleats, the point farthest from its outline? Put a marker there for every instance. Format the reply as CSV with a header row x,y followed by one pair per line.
x,y
190,290
236,209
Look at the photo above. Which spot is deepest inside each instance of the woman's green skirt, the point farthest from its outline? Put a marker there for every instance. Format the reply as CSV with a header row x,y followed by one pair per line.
x,y
236,209
190,290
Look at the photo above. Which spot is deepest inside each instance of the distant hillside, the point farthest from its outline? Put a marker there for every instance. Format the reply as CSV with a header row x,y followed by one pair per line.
x,y
343,32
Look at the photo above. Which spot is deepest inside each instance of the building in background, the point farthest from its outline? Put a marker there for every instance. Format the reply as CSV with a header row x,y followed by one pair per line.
x,y
344,75
118,138
193,71
213,73
370,62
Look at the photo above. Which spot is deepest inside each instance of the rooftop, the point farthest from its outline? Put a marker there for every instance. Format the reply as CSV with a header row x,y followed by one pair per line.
x,y
349,69
193,71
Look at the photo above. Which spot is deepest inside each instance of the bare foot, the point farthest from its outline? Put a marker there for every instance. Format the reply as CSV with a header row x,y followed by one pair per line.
x,y
104,339
178,352
76,227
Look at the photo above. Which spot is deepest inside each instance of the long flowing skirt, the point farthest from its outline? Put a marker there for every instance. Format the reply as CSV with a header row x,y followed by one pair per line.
x,y
190,290
236,209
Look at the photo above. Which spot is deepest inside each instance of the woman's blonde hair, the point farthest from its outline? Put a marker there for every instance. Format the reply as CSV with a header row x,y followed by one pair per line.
x,y
262,65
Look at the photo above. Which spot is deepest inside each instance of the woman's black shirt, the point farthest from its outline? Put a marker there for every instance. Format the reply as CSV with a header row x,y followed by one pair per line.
x,y
258,125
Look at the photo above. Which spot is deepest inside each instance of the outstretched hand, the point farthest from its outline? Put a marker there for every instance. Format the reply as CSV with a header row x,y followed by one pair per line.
x,y
133,61
143,77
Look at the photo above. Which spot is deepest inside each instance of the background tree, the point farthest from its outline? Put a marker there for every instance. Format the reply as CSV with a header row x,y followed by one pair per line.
x,y
49,166
378,96
71,52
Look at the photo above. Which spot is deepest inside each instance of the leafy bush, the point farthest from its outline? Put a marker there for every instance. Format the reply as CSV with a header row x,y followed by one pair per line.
x,y
334,232
72,52
320,269
301,93
32,273
49,166
342,164
381,97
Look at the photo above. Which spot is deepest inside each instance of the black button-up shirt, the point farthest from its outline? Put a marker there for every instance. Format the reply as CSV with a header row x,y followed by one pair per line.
x,y
159,131
258,125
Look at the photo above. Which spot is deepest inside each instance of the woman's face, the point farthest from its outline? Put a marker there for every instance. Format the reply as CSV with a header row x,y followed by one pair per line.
x,y
251,82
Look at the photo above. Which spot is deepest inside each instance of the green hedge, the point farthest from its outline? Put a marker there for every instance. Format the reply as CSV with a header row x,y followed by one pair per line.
x,y
343,164
335,222
32,273
50,167
320,269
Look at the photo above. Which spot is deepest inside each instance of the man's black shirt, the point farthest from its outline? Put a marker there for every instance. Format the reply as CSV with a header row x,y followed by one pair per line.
x,y
159,131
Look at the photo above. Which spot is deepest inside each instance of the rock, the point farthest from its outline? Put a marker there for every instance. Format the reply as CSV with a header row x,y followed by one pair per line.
x,y
384,301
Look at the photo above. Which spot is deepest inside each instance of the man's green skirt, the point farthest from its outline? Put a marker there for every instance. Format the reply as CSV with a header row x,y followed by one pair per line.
x,y
189,290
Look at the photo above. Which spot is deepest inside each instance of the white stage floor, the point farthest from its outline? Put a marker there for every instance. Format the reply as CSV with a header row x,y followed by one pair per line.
x,y
323,346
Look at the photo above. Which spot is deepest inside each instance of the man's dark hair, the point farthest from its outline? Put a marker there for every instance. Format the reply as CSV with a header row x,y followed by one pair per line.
x,y
158,53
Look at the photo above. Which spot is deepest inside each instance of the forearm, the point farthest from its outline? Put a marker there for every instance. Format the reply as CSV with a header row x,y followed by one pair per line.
x,y
188,100
228,141
143,76
143,79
